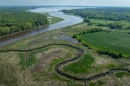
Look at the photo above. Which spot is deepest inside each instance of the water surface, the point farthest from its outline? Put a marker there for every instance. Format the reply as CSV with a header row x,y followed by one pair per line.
x,y
68,20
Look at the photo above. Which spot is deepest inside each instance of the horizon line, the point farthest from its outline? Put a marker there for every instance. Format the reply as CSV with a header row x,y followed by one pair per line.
x,y
61,6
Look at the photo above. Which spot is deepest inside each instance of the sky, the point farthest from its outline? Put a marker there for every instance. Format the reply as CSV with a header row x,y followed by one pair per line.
x,y
65,2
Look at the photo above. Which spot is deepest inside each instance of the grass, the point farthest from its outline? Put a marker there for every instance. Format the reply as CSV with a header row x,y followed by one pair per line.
x,y
85,65
75,29
55,61
80,66
31,58
98,83
22,60
54,20
98,21
118,42
67,81
121,74
8,75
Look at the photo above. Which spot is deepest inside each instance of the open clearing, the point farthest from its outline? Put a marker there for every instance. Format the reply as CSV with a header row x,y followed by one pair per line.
x,y
41,72
114,41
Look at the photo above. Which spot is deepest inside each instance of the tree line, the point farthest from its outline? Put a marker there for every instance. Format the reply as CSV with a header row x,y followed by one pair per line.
x,y
114,25
104,13
16,21
105,51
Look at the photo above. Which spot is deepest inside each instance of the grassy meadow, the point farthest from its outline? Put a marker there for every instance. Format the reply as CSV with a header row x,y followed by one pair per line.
x,y
124,24
115,41
38,67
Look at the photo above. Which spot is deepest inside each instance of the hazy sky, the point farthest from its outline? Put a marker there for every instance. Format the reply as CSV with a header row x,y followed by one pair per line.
x,y
67,2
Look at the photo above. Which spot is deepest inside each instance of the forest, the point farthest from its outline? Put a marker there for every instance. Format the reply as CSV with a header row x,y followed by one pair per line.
x,y
16,20
116,16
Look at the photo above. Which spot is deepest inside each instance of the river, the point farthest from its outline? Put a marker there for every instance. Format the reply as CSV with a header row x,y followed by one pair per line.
x,y
68,20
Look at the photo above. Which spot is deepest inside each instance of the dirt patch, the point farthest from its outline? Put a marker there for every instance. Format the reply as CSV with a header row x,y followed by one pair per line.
x,y
45,58
101,61
52,54
113,81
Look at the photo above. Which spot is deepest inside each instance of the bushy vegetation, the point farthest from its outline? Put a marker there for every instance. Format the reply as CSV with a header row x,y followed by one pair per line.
x,y
121,74
98,83
108,23
112,44
110,53
104,13
8,75
89,31
80,66
16,21
119,16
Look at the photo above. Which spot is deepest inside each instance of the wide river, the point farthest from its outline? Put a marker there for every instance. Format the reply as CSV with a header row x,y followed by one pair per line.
x,y
68,20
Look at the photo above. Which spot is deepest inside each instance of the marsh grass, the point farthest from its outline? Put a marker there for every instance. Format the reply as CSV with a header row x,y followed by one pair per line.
x,y
81,66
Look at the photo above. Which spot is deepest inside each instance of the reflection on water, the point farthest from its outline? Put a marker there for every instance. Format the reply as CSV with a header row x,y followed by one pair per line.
x,y
54,9
64,37
55,37
68,20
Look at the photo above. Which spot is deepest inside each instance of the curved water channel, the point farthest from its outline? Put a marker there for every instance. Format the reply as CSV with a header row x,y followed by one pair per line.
x,y
68,20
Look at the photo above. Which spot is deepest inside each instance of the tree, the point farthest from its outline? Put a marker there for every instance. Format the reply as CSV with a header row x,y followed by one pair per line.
x,y
87,20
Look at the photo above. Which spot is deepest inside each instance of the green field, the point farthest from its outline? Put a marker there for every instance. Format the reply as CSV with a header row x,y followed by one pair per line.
x,y
54,20
97,21
81,66
106,22
115,41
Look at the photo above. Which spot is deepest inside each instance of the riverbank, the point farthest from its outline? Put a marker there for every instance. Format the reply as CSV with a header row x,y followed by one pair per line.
x,y
53,57
59,54
51,19
68,20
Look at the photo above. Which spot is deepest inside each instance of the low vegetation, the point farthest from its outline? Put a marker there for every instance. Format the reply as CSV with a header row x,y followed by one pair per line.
x,y
121,74
115,18
107,43
8,75
81,66
38,66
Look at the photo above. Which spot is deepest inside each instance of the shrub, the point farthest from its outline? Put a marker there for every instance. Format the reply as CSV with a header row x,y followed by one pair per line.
x,y
110,53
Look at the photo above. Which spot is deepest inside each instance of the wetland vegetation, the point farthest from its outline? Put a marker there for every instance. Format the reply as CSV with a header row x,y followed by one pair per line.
x,y
63,65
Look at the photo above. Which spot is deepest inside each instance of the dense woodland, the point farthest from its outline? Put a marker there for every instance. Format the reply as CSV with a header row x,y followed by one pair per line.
x,y
15,20
104,13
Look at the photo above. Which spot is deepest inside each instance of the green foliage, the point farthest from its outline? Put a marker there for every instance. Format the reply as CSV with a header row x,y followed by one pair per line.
x,y
121,74
87,20
22,60
81,66
27,61
8,75
98,83
128,32
94,30
55,61
115,18
13,21
106,43
55,20
31,59
104,13
110,53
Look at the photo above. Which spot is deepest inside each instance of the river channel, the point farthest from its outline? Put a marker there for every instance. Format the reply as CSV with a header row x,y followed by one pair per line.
x,y
68,20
